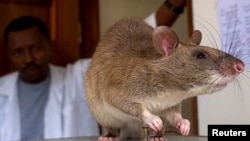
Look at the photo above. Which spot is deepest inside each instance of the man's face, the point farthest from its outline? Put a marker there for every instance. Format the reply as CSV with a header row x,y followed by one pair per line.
x,y
29,53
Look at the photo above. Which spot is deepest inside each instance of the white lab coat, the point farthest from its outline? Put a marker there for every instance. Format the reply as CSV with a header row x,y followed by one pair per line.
x,y
66,114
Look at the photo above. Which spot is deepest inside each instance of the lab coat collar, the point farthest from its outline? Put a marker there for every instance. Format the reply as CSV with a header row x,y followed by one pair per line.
x,y
8,86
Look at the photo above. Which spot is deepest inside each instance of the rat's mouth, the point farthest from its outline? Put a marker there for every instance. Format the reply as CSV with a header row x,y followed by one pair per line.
x,y
218,87
220,82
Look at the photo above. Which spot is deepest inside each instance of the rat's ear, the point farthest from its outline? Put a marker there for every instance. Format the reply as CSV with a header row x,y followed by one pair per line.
x,y
164,40
195,39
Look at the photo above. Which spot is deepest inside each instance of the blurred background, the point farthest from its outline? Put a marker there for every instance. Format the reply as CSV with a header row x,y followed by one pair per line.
x,y
77,25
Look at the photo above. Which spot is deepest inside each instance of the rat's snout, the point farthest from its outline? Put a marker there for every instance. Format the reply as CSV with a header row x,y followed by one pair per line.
x,y
232,67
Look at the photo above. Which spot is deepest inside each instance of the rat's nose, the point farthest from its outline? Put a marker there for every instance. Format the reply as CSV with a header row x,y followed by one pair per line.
x,y
232,67
239,67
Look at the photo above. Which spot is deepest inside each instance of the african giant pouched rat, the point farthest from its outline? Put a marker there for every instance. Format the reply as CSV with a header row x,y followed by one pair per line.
x,y
139,75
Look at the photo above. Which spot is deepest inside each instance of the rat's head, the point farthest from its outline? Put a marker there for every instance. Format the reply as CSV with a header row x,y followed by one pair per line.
x,y
201,68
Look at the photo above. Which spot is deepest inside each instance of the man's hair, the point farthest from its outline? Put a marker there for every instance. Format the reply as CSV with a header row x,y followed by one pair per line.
x,y
23,23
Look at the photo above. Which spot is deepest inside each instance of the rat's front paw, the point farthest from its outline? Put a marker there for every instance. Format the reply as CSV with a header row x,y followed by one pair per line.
x,y
183,125
153,121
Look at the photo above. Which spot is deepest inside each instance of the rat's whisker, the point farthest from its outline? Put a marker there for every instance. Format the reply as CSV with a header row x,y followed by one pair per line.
x,y
248,77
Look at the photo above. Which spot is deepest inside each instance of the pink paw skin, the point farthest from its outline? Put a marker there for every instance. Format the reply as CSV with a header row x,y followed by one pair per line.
x,y
183,125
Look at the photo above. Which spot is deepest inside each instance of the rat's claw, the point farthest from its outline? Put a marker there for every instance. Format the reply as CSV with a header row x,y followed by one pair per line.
x,y
183,125
153,121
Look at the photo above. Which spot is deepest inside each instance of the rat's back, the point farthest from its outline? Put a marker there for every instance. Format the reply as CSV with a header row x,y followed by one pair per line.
x,y
126,40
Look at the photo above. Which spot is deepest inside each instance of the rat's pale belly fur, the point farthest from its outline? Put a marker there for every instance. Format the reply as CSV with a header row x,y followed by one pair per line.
x,y
110,116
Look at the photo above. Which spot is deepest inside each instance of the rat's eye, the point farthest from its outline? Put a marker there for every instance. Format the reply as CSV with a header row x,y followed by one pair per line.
x,y
199,54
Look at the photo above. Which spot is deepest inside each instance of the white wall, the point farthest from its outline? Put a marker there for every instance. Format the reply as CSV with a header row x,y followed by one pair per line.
x,y
231,105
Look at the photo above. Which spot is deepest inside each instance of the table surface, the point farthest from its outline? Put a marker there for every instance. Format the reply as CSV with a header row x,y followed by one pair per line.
x,y
170,138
